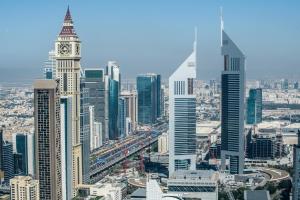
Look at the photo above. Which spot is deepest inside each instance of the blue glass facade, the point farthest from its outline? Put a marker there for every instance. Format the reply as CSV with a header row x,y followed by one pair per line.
x,y
8,161
113,108
254,106
122,117
21,148
149,98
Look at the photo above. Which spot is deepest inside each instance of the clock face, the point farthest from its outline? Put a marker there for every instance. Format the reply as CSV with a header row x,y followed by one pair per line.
x,y
64,49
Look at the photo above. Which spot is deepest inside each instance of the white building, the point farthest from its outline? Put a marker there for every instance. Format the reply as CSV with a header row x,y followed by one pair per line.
x,y
24,188
163,143
109,191
182,116
97,135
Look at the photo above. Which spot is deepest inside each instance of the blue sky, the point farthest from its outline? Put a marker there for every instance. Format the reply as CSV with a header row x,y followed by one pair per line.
x,y
154,36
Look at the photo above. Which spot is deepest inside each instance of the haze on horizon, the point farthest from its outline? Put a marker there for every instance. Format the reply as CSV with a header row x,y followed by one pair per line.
x,y
154,36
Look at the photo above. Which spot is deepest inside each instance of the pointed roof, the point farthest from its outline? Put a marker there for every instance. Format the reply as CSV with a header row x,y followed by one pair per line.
x,y
68,16
68,28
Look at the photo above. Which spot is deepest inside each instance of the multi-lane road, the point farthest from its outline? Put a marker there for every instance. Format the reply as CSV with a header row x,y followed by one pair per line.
x,y
110,154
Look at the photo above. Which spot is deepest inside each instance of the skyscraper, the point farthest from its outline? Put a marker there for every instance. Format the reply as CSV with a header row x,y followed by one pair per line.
x,y
95,82
23,144
49,66
232,105
182,117
24,188
296,168
131,108
254,106
149,97
66,146
68,55
8,161
48,138
114,86
85,129
122,117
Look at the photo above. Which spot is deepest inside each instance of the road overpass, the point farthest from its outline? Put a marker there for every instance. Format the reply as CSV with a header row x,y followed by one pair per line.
x,y
104,158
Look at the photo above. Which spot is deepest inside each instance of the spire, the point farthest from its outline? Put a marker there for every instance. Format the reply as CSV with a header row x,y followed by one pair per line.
x,y
68,28
68,16
195,41
222,24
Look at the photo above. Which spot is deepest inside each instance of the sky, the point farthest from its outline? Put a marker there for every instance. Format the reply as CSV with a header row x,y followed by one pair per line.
x,y
152,36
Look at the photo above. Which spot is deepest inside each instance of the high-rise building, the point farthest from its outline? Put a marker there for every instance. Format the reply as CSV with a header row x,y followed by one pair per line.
x,y
149,98
68,55
95,82
1,149
296,168
114,86
8,161
122,113
131,108
97,134
254,106
182,116
24,188
47,128
49,66
66,146
163,143
232,105
85,129
23,144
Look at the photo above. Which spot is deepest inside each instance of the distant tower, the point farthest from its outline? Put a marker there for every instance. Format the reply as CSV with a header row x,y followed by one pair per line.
x,y
68,55
114,87
182,117
49,66
149,97
232,100
47,127
95,82
8,161
296,166
254,106
131,108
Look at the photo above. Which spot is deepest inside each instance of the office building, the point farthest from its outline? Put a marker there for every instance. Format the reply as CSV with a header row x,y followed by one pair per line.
x,y
149,98
85,129
95,82
97,135
296,168
122,113
23,147
254,106
24,188
131,105
114,86
8,161
1,149
49,66
47,128
182,116
163,143
68,55
232,105
66,146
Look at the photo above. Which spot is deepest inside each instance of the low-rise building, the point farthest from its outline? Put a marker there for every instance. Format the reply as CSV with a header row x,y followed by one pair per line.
x,y
24,188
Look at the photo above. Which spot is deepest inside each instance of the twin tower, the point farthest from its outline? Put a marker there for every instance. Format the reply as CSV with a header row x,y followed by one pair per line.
x,y
182,110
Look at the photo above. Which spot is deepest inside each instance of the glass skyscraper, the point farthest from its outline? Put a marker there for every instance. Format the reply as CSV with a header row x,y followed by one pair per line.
x,y
95,81
8,161
114,86
149,98
232,105
254,106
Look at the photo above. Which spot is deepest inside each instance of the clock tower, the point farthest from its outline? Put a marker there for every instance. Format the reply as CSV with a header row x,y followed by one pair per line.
x,y
68,55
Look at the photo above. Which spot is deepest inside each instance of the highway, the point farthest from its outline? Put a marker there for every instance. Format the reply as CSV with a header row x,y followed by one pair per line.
x,y
110,154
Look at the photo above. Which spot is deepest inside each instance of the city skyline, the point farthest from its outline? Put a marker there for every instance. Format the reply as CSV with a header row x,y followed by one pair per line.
x,y
159,30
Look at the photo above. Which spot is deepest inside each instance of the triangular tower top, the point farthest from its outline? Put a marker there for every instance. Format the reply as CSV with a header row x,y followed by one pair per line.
x,y
68,16
68,28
